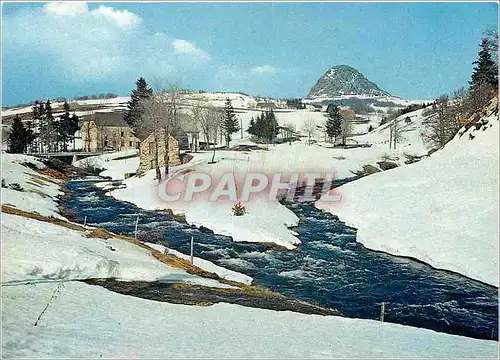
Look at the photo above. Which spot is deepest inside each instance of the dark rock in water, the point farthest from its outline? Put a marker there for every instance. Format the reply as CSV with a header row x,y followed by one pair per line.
x,y
387,165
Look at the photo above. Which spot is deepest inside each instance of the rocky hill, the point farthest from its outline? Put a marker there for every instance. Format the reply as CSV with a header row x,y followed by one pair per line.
x,y
344,80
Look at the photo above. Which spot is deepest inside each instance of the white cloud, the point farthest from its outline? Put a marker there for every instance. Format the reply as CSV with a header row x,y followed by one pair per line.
x,y
186,47
71,8
122,18
80,44
265,69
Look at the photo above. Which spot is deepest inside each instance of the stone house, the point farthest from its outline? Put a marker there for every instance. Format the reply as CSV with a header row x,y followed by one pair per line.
x,y
147,151
107,131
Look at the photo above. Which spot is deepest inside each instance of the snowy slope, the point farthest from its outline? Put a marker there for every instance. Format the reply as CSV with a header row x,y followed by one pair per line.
x,y
411,134
38,192
33,250
442,210
91,322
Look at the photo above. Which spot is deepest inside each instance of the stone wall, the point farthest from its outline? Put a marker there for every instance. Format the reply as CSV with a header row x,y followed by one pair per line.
x,y
147,153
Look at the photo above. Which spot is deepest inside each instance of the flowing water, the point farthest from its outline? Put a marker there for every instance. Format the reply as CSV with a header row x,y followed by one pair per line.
x,y
330,268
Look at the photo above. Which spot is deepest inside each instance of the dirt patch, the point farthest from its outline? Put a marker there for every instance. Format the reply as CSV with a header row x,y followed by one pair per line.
x,y
197,295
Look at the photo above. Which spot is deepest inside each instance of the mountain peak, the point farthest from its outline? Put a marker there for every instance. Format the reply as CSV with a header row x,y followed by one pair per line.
x,y
344,80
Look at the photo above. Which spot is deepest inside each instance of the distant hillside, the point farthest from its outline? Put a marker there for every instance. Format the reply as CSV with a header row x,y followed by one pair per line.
x,y
344,80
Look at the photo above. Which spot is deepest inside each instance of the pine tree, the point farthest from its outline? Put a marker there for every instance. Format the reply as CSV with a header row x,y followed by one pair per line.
x,y
230,123
66,127
134,112
334,122
19,137
271,128
47,127
251,128
484,78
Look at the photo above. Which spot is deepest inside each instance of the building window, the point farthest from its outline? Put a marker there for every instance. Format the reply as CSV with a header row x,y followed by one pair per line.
x,y
151,148
123,143
105,142
130,143
114,144
122,133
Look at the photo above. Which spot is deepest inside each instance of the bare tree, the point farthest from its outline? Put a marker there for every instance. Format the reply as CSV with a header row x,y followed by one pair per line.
x,y
461,105
441,124
288,130
171,126
309,128
152,120
346,130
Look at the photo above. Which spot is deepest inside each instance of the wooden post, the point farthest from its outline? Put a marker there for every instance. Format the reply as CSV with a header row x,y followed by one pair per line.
x,y
85,221
192,243
136,224
382,311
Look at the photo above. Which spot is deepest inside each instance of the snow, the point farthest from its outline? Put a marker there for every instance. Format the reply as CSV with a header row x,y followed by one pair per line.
x,y
39,191
33,250
91,322
115,167
442,210
273,219
209,266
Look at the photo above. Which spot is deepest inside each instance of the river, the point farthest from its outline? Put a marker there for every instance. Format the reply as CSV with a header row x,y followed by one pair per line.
x,y
330,269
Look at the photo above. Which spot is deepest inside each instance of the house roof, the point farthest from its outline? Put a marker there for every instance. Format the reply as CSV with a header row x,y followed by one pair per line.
x,y
108,119
347,113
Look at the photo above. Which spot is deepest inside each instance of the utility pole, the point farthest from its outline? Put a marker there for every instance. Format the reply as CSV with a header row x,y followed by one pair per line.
x,y
382,311
192,245
136,224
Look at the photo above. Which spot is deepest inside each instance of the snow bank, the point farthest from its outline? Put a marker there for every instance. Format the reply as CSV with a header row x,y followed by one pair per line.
x,y
33,250
91,322
442,210
114,166
38,191
209,266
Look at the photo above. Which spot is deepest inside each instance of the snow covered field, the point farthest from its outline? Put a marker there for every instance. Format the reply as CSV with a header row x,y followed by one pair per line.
x,y
91,322
442,210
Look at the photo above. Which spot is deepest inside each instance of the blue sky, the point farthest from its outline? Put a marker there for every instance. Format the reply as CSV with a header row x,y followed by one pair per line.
x,y
412,50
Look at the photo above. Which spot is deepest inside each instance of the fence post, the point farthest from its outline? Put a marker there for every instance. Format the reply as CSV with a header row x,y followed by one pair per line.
x,y
85,221
192,243
136,224
382,311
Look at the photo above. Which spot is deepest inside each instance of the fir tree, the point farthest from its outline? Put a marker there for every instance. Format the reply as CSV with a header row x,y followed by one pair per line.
x,y
334,122
484,78
134,112
67,126
19,137
230,123
251,128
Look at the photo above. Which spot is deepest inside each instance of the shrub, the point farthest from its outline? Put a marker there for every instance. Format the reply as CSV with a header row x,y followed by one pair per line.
x,y
238,209
4,185
89,166
16,187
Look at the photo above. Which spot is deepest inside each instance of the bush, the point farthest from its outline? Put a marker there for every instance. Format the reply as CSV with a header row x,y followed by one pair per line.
x,y
15,186
238,209
155,237
89,166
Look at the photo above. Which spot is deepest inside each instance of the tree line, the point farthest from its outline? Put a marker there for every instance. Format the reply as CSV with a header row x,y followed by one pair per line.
x,y
158,114
44,132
